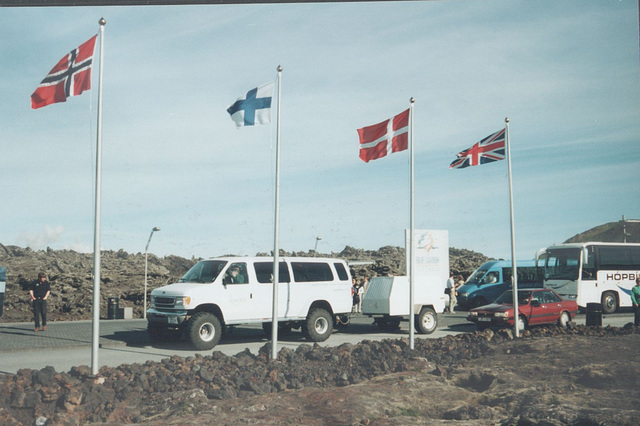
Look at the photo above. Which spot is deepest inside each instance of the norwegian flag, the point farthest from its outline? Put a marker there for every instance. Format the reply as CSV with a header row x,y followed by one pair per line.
x,y
70,77
488,150
384,138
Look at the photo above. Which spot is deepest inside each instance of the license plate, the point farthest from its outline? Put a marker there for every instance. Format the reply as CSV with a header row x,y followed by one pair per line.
x,y
172,320
484,319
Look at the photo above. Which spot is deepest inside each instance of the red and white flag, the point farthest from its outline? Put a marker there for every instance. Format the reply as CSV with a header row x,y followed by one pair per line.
x,y
70,77
384,138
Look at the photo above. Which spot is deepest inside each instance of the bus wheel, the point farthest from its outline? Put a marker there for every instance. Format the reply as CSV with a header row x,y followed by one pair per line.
x,y
609,302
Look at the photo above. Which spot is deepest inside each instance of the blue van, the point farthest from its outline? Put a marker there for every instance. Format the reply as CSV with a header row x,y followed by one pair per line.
x,y
493,278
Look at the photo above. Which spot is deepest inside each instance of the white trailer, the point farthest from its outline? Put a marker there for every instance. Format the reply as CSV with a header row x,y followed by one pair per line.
x,y
387,298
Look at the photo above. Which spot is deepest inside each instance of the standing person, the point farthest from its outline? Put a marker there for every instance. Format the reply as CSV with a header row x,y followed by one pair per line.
x,y
355,295
451,288
635,299
40,291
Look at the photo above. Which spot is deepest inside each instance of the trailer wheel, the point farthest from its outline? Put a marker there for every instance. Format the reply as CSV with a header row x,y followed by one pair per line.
x,y
609,302
204,330
318,325
427,321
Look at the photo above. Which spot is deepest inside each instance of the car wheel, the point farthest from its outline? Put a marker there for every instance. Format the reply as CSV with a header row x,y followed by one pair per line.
x,y
522,323
204,330
427,321
609,302
318,325
564,319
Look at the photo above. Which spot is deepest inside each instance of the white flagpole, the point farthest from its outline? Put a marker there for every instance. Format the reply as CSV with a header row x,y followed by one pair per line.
x,y
412,261
514,271
95,339
276,248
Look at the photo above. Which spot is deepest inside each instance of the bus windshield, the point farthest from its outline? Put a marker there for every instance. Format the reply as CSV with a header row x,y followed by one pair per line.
x,y
562,264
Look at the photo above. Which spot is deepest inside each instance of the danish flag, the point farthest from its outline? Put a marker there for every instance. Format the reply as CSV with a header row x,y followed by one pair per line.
x,y
378,140
70,77
488,150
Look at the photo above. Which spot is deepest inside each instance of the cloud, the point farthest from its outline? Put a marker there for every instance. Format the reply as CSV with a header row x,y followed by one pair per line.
x,y
43,239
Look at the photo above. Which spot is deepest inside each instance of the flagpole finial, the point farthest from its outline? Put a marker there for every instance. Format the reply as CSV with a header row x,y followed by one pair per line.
x,y
412,100
279,68
506,120
102,22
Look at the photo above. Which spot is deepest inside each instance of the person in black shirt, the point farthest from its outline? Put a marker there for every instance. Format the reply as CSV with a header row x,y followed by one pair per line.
x,y
40,291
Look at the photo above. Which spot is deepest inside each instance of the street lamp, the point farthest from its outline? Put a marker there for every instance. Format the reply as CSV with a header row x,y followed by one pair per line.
x,y
315,249
146,257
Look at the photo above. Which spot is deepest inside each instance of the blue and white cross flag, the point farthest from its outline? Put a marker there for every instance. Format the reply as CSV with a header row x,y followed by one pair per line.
x,y
254,107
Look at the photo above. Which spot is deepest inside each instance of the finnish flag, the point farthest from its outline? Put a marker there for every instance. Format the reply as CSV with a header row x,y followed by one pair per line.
x,y
254,107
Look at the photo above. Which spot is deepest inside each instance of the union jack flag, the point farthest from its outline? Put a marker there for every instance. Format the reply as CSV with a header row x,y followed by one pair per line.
x,y
488,150
70,77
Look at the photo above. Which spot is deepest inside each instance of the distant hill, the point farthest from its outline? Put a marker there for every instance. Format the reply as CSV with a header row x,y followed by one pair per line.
x,y
612,232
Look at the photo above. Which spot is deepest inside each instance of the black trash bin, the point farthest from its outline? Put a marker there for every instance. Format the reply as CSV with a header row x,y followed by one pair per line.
x,y
594,314
112,307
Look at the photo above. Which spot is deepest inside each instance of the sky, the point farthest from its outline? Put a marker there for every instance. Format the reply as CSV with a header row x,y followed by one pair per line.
x,y
567,74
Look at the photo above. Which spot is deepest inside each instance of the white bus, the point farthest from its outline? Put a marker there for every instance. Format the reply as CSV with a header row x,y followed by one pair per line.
x,y
593,272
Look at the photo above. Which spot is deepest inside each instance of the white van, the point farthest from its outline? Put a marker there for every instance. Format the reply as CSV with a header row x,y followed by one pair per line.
x,y
228,291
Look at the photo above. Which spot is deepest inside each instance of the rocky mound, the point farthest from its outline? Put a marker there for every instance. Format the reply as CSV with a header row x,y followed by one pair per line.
x,y
122,276
551,376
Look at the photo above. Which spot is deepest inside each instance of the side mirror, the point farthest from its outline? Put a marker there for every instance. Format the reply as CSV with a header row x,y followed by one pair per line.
x,y
535,302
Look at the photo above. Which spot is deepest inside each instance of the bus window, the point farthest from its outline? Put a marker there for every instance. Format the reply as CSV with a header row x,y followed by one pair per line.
x,y
589,268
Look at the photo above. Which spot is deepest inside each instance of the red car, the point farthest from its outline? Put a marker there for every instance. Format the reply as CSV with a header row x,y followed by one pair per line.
x,y
535,306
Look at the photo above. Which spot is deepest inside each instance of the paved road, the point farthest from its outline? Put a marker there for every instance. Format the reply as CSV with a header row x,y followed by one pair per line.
x,y
67,344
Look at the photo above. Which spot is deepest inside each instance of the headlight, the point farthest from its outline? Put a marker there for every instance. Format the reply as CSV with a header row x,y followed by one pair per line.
x,y
473,314
501,314
463,294
183,301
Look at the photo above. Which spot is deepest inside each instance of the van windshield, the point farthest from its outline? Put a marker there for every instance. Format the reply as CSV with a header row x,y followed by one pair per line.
x,y
205,271
476,277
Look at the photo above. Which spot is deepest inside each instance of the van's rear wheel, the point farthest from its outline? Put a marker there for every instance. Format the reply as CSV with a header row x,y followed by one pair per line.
x,y
318,325
204,330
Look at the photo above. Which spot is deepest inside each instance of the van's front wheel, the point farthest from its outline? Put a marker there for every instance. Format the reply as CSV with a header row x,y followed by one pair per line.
x,y
318,325
204,330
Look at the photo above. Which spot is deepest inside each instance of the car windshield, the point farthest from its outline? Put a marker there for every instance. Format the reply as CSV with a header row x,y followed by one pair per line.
x,y
506,298
562,264
476,276
205,271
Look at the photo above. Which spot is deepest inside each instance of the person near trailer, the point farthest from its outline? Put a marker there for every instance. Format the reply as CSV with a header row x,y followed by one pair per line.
x,y
635,299
40,292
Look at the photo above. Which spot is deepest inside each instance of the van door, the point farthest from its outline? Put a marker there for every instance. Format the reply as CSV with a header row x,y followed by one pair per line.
x,y
263,306
237,295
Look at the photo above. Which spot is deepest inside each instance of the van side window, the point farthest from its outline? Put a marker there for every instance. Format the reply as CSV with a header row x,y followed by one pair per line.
x,y
342,272
236,274
264,272
311,271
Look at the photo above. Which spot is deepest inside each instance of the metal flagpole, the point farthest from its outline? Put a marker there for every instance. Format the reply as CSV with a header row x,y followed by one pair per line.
x,y
95,338
412,261
276,248
514,271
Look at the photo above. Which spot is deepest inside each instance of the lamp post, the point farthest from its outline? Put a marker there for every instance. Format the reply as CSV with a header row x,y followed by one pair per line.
x,y
146,263
315,248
